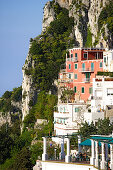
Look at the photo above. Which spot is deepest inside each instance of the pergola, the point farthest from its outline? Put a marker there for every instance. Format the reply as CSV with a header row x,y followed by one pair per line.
x,y
96,141
104,142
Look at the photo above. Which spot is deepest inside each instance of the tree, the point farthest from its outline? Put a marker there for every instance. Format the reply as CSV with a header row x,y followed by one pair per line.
x,y
67,95
6,143
86,130
104,127
22,160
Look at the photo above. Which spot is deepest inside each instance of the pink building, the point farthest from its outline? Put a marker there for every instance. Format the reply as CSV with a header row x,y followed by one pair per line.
x,y
82,64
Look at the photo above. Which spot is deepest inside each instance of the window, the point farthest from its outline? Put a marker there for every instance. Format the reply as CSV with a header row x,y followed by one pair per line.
x,y
75,76
85,55
69,76
92,66
100,64
76,109
76,66
75,89
104,59
110,91
75,55
71,55
82,89
96,56
83,66
90,90
64,109
69,66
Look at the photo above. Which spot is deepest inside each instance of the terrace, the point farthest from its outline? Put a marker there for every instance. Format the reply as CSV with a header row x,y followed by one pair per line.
x,y
101,158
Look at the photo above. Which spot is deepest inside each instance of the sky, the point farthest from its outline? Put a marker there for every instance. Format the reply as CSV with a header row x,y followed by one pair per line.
x,y
20,20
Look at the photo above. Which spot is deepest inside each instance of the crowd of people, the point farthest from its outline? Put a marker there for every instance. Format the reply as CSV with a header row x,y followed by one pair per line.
x,y
79,157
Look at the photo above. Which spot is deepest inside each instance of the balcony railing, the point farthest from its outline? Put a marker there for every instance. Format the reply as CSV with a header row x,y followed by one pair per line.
x,y
96,98
72,59
86,80
86,70
65,80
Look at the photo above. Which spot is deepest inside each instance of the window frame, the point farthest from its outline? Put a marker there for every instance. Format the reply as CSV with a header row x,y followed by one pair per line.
x,y
76,77
75,87
77,66
82,90
100,65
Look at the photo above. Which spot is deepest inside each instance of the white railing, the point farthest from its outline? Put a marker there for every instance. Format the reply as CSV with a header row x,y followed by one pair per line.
x,y
65,80
72,59
96,98
86,80
86,70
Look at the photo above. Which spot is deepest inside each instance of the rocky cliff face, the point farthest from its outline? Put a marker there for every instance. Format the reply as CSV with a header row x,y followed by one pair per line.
x,y
86,14
28,90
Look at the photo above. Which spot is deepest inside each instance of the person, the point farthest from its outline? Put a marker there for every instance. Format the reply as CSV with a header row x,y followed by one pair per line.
x,y
77,157
81,156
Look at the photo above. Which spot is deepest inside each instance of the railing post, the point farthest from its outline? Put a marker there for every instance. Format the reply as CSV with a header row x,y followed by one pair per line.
x,y
67,157
103,156
44,155
97,154
92,159
111,156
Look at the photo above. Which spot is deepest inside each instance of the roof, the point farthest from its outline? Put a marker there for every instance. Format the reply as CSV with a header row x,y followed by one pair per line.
x,y
104,139
87,142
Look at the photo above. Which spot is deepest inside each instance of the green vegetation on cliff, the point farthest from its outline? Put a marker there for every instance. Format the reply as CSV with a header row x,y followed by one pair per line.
x,y
48,50
106,17
8,96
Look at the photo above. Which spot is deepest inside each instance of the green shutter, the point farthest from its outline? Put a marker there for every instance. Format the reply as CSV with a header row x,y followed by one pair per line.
x,y
90,90
101,64
75,66
83,66
82,89
71,55
69,66
104,59
75,76
92,66
76,55
69,76
75,89
76,109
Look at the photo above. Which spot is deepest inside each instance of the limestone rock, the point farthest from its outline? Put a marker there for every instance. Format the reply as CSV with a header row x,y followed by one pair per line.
x,y
48,16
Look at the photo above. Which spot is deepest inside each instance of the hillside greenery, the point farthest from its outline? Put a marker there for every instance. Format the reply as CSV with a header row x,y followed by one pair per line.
x,y
106,17
103,127
7,97
48,50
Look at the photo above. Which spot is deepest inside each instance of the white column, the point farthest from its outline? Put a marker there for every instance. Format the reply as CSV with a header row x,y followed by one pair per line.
x,y
103,156
111,156
92,159
44,155
97,152
79,141
67,157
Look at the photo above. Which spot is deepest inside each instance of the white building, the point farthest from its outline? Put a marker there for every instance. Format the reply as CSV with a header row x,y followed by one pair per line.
x,y
101,99
108,60
68,117
102,93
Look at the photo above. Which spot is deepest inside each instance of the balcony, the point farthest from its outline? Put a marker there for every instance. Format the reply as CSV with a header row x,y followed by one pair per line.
x,y
86,80
84,70
61,114
96,98
72,59
65,80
